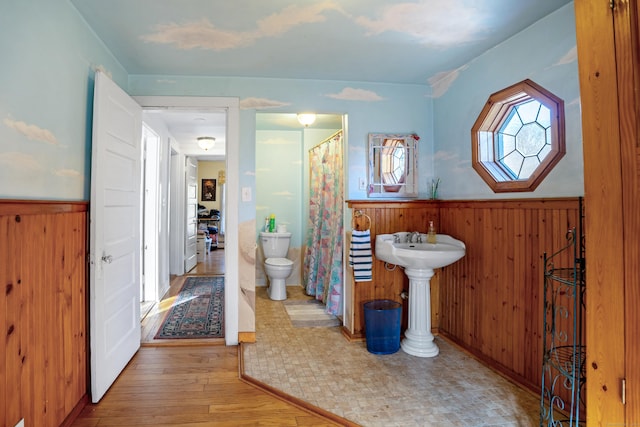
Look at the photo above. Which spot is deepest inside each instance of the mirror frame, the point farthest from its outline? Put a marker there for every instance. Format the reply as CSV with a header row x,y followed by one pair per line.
x,y
382,144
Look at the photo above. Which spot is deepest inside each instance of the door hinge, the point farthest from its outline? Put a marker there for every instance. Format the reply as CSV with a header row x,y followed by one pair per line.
x,y
612,4
623,386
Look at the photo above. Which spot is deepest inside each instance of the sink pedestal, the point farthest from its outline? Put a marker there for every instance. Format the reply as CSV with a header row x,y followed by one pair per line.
x,y
418,339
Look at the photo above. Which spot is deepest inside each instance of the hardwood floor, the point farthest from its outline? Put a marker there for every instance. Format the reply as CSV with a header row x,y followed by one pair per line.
x,y
190,386
190,382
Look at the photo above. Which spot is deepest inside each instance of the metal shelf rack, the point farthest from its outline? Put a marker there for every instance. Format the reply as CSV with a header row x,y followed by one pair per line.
x,y
562,400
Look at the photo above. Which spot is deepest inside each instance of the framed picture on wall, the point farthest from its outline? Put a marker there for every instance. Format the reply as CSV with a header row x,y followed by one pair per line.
x,y
208,190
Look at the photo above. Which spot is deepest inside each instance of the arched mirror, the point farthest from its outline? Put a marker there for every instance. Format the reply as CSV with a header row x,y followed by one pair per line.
x,y
393,165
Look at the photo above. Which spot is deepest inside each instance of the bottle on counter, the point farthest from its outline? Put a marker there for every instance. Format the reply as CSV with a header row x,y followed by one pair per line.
x,y
431,233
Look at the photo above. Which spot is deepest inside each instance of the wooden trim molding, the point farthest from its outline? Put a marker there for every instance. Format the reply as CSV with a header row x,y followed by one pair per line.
x,y
35,207
247,337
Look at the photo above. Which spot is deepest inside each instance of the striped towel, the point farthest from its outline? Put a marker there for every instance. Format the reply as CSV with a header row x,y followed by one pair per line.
x,y
360,255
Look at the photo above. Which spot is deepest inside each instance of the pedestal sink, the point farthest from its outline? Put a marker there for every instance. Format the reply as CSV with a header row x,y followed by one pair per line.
x,y
419,260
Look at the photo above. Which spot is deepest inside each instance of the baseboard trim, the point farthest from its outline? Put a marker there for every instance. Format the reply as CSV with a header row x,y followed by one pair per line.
x,y
75,412
352,337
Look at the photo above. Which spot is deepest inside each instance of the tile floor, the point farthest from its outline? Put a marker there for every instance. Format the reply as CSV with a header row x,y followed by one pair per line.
x,y
321,367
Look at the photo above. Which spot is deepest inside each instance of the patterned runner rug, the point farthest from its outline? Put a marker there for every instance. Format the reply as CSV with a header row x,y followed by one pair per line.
x,y
197,311
309,314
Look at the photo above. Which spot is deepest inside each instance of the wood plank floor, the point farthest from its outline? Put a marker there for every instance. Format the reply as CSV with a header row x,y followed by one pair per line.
x,y
192,383
190,386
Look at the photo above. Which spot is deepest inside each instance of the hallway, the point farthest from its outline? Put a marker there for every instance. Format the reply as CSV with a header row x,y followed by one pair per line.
x,y
213,265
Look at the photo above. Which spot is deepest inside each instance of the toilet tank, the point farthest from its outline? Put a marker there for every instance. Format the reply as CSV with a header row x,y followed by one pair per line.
x,y
275,245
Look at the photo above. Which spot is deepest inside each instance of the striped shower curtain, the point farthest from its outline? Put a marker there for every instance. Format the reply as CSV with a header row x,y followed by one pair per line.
x,y
322,273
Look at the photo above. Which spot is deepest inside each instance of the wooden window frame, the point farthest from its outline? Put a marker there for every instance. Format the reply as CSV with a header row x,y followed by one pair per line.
x,y
491,119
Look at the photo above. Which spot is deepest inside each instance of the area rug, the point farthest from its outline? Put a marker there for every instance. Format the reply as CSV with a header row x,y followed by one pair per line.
x,y
309,314
198,310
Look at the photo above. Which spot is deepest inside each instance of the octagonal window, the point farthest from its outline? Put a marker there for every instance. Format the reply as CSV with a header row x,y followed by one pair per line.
x,y
518,137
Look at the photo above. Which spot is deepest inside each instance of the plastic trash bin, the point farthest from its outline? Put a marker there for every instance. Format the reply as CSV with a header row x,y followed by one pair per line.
x,y
382,320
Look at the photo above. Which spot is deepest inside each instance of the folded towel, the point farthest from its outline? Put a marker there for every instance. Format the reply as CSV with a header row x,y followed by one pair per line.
x,y
360,255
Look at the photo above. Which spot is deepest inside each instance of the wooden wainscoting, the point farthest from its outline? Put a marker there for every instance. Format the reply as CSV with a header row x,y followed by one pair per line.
x,y
43,270
491,301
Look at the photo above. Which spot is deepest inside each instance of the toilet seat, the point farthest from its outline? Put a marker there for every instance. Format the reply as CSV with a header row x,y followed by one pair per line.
x,y
278,262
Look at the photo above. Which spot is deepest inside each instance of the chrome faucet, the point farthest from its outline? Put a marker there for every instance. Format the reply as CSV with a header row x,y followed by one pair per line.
x,y
416,235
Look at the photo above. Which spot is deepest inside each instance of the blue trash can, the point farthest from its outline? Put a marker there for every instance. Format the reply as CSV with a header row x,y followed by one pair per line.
x,y
382,319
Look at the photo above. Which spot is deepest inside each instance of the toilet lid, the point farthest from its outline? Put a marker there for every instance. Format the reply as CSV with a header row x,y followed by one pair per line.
x,y
278,261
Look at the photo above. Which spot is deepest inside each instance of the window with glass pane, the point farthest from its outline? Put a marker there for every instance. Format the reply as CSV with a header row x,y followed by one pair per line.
x,y
518,137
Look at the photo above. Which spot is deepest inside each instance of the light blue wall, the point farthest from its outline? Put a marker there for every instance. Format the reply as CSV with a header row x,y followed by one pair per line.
x,y
389,108
544,53
49,57
279,180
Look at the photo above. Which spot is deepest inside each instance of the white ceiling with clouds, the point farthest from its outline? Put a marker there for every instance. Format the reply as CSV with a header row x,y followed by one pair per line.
x,y
349,40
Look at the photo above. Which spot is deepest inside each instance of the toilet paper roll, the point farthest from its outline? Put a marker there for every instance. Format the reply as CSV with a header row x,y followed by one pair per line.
x,y
281,228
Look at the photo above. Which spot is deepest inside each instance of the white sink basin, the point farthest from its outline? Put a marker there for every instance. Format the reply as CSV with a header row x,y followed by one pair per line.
x,y
445,251
419,260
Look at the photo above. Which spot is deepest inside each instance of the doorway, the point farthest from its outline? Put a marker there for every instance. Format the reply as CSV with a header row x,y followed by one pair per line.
x,y
177,196
282,178
151,190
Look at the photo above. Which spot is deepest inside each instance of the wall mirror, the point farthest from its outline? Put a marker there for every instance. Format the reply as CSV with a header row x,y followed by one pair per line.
x,y
393,161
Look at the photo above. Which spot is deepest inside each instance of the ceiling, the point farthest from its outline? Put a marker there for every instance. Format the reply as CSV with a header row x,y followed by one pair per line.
x,y
390,41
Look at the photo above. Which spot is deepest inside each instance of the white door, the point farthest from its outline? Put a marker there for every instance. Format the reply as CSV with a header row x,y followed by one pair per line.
x,y
191,226
115,238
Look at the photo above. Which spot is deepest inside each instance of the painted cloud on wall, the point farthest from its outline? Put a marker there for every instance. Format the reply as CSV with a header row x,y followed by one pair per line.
x,y
569,57
35,164
20,161
441,82
352,94
32,132
68,173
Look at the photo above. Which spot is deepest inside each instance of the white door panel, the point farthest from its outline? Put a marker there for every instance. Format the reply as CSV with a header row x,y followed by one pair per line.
x,y
115,237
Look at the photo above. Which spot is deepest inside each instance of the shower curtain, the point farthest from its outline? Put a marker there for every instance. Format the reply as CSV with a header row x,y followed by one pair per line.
x,y
322,273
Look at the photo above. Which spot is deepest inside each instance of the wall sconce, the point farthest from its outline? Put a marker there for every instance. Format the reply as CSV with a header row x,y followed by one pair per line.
x,y
306,119
206,142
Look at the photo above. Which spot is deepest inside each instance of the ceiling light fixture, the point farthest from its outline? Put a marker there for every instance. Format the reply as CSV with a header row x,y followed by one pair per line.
x,y
206,142
306,119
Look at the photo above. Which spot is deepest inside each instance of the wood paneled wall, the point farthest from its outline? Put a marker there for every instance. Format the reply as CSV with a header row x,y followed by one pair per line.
x,y
43,362
491,301
386,217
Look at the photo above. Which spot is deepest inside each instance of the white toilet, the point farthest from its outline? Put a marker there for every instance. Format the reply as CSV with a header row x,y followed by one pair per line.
x,y
276,266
